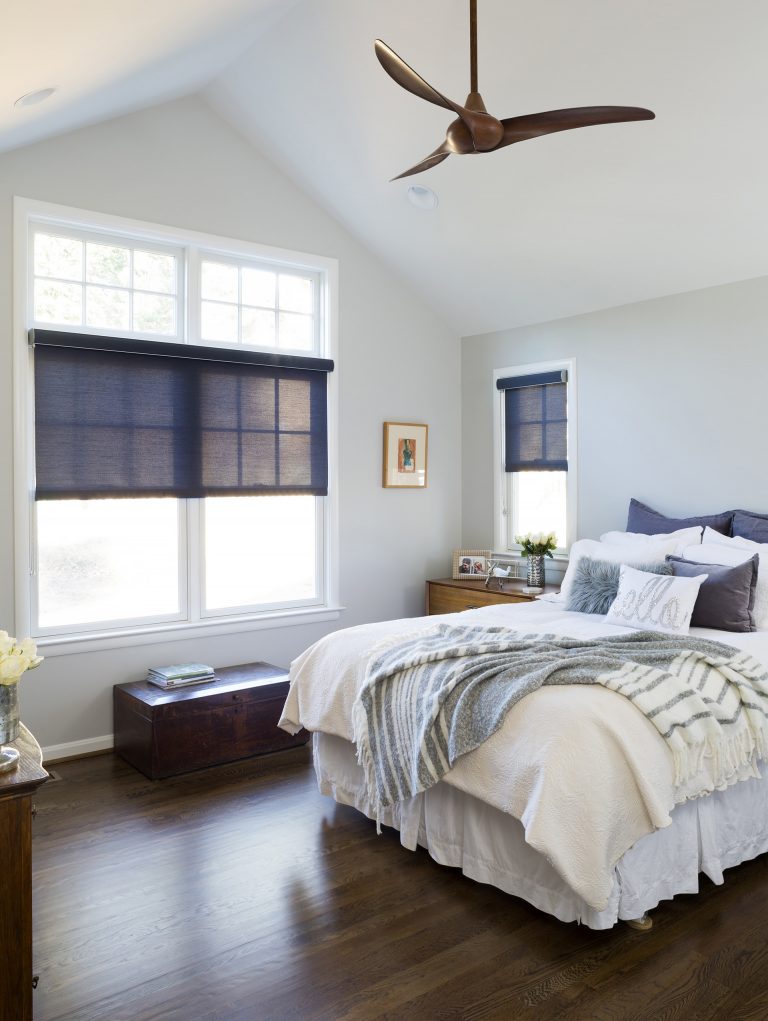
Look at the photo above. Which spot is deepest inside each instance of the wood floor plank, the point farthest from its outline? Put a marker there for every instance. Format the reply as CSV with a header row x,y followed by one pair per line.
x,y
242,894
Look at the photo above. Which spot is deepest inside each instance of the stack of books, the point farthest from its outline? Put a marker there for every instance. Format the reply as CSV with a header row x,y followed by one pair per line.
x,y
180,674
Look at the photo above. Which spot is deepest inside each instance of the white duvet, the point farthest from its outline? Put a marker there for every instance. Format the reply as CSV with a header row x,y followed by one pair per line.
x,y
583,770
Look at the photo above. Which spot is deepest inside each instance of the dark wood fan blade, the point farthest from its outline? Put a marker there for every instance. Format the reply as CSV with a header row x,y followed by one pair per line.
x,y
484,129
432,160
519,129
406,77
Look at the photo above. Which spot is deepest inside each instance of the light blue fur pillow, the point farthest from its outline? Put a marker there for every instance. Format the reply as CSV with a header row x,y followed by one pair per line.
x,y
596,583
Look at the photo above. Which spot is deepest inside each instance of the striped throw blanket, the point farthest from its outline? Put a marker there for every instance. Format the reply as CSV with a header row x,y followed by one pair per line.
x,y
427,700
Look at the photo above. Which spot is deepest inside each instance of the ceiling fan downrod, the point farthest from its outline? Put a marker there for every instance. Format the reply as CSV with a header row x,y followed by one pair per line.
x,y
473,46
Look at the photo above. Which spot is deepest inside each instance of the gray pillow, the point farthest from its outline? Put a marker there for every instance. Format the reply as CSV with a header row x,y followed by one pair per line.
x,y
596,582
726,598
750,526
644,519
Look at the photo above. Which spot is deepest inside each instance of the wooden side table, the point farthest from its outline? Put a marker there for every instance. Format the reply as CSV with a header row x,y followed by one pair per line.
x,y
16,790
447,595
166,732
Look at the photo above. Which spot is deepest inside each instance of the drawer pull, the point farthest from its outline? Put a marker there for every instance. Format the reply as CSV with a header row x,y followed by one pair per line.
x,y
472,606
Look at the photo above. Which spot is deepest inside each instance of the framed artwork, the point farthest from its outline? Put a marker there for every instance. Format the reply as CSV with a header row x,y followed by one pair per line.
x,y
469,564
405,455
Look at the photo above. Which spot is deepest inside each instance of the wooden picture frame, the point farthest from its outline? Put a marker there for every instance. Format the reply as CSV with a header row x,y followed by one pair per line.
x,y
405,455
471,564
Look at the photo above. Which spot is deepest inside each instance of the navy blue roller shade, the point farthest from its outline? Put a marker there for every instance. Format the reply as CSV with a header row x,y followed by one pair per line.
x,y
116,417
535,422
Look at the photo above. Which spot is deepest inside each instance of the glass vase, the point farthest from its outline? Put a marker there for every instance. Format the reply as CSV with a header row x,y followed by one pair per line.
x,y
535,576
9,725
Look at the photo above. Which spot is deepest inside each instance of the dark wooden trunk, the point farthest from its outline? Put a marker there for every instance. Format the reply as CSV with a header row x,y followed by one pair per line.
x,y
164,733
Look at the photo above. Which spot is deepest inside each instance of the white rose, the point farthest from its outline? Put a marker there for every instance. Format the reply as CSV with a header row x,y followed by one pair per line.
x,y
11,668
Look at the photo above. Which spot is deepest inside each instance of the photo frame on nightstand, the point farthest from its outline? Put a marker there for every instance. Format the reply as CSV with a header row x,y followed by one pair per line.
x,y
471,564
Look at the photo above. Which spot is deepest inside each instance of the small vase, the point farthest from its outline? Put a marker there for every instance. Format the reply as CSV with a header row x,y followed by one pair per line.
x,y
9,725
535,577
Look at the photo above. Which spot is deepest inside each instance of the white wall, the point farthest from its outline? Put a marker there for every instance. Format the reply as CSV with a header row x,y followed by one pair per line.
x,y
672,406
179,164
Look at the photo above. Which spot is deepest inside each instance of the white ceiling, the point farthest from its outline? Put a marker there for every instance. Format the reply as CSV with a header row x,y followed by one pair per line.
x,y
551,227
111,58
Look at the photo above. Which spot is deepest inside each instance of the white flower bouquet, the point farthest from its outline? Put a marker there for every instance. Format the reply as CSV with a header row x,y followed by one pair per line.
x,y
16,658
537,543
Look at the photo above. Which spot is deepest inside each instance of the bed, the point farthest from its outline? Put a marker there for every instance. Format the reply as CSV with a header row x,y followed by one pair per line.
x,y
571,805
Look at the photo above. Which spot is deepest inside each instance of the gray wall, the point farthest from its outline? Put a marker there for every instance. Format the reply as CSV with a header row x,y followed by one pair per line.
x,y
672,406
179,164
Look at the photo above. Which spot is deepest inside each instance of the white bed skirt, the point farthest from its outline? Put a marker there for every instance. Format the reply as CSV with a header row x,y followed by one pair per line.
x,y
707,835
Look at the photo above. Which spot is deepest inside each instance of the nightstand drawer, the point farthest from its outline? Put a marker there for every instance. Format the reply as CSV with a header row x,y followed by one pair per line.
x,y
442,599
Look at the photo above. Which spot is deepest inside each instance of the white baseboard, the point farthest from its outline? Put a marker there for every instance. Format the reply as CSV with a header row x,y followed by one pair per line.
x,y
75,749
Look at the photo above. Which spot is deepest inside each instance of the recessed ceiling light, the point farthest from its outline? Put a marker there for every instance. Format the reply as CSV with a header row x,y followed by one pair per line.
x,y
33,98
421,197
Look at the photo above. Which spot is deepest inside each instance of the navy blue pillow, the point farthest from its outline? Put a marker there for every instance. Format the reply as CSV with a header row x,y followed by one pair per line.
x,y
726,598
642,518
750,526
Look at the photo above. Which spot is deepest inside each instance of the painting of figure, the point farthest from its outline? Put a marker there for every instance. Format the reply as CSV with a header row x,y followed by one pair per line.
x,y
406,455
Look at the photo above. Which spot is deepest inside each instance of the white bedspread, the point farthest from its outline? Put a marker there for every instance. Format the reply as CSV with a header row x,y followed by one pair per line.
x,y
585,793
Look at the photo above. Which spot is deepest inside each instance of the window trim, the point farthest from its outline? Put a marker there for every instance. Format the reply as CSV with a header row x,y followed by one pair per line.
x,y
27,211
502,485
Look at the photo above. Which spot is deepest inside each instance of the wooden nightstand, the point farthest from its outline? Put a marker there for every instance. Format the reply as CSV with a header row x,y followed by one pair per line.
x,y
449,596
16,813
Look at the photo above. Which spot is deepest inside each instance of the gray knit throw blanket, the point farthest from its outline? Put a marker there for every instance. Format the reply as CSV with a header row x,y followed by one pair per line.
x,y
434,697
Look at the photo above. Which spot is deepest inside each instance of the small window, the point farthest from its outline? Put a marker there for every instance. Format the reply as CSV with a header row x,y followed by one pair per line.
x,y
104,285
260,551
535,463
105,562
249,303
539,504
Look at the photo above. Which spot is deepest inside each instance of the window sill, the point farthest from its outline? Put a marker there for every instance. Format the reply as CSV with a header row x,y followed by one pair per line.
x,y
60,645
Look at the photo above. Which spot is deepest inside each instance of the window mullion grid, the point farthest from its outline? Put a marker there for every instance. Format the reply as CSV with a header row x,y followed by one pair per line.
x,y
189,285
321,581
83,286
131,285
276,302
194,511
240,304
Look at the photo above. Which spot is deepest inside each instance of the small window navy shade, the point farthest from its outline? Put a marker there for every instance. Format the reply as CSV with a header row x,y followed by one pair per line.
x,y
535,422
124,418
536,379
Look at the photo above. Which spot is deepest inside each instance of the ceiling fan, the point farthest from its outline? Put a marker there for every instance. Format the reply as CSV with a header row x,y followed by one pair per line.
x,y
474,129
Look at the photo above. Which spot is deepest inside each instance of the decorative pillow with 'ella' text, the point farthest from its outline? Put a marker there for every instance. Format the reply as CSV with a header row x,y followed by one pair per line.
x,y
654,602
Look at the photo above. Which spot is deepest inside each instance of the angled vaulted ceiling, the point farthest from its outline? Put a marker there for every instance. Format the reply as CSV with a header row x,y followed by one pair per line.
x,y
111,58
548,228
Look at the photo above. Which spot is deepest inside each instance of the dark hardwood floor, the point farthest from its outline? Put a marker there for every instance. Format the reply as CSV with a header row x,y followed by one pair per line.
x,y
241,894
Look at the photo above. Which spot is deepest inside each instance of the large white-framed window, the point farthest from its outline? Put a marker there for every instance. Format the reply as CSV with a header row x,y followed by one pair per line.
x,y
105,571
534,501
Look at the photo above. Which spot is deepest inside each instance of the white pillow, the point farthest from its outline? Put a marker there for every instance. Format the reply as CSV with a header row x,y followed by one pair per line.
x,y
654,602
710,535
715,553
616,553
724,549
683,537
